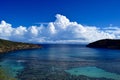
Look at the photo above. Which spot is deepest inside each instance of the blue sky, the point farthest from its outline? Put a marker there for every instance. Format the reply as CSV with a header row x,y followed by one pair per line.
x,y
68,21
88,12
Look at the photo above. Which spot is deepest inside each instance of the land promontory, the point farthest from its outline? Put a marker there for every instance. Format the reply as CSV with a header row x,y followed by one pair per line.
x,y
7,46
106,43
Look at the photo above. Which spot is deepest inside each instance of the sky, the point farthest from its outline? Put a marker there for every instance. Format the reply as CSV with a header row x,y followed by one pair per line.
x,y
59,21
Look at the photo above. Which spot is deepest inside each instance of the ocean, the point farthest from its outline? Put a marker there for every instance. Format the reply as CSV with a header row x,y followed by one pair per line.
x,y
62,62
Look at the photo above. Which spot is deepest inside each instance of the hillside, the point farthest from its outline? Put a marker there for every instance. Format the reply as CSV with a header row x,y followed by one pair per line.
x,y
6,46
106,43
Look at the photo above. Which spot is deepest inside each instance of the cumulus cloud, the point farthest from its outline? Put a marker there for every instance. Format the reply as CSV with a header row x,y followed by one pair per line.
x,y
62,30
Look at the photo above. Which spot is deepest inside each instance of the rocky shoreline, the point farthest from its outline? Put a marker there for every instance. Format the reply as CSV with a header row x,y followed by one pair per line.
x,y
7,46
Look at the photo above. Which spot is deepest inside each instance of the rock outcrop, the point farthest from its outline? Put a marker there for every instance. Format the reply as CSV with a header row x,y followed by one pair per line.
x,y
106,43
7,46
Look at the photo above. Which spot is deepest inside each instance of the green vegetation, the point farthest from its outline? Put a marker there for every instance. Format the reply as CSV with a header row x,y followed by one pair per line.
x,y
5,76
6,46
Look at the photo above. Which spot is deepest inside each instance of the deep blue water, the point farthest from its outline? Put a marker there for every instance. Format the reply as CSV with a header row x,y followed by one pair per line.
x,y
58,58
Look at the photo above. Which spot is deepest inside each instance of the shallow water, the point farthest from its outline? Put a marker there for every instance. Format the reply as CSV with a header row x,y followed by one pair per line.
x,y
52,61
93,72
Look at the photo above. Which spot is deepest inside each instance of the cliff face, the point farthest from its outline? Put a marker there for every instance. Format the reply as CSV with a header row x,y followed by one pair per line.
x,y
6,46
106,43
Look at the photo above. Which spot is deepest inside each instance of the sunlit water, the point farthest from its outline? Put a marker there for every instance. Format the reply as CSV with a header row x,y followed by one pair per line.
x,y
58,62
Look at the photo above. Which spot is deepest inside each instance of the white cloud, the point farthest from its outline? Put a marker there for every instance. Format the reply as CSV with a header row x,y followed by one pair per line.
x,y
5,30
60,31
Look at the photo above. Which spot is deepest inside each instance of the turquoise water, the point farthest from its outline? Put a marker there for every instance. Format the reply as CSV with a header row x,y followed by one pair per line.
x,y
93,72
58,62
11,67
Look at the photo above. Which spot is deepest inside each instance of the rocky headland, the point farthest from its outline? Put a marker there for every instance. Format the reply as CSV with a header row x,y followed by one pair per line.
x,y
7,46
106,43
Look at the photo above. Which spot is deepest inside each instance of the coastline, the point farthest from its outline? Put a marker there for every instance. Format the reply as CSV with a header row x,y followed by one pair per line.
x,y
106,44
8,46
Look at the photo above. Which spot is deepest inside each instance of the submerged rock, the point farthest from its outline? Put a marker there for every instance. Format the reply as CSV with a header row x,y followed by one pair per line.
x,y
106,43
54,70
93,72
5,76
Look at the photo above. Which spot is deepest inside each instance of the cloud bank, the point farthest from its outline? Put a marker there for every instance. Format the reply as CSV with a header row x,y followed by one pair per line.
x,y
62,30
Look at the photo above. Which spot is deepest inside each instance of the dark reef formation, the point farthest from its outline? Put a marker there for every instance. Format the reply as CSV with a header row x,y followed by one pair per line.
x,y
106,43
55,70
7,46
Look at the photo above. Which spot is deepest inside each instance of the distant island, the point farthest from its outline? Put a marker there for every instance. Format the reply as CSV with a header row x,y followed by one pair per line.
x,y
106,43
7,46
